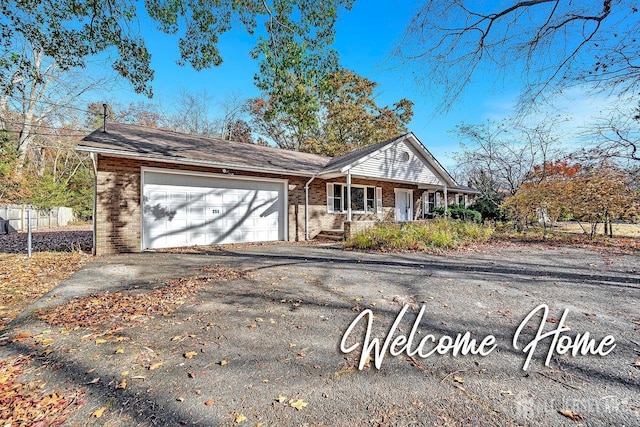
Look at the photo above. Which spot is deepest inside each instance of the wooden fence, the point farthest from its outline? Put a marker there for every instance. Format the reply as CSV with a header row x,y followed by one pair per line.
x,y
13,218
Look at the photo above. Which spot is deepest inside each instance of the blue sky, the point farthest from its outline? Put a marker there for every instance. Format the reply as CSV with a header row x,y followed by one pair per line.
x,y
365,38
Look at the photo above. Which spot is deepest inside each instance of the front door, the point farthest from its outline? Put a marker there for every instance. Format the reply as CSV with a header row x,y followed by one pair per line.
x,y
404,204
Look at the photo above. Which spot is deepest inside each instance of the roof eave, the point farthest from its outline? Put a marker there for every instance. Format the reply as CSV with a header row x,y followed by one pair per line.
x,y
192,162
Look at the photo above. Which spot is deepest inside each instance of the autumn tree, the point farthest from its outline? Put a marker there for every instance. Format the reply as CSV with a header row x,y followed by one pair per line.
x,y
350,117
595,195
544,195
603,194
239,131
552,44
342,116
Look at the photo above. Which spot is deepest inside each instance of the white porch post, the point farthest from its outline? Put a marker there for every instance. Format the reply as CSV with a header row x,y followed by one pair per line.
x,y
349,196
446,200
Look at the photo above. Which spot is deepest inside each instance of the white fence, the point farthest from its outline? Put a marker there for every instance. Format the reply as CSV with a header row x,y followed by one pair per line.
x,y
13,218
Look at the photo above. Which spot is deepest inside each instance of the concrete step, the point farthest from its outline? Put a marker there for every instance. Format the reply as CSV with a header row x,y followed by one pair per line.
x,y
336,234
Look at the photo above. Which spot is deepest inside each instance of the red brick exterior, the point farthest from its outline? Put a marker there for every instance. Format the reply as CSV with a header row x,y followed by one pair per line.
x,y
118,202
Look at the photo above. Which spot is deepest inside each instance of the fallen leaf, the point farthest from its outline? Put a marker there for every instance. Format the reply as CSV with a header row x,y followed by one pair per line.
x,y
155,365
240,418
176,338
209,402
94,381
572,415
180,399
119,350
298,404
223,362
190,354
367,362
281,398
259,319
458,379
100,341
98,412
122,385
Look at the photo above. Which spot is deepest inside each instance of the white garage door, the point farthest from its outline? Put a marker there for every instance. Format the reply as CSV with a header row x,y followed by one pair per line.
x,y
187,210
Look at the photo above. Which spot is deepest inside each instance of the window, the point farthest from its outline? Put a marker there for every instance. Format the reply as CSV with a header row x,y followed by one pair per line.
x,y
459,199
357,198
430,202
363,198
371,199
337,197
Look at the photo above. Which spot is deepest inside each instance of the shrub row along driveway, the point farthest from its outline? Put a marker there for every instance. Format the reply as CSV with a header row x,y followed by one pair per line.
x,y
265,347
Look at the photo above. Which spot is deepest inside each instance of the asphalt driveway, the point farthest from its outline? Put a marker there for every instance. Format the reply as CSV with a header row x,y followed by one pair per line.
x,y
265,348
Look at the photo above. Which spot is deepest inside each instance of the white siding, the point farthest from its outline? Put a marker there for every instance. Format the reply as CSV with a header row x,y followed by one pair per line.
x,y
389,164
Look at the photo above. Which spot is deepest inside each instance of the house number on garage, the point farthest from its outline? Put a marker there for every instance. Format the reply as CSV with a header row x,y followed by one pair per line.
x,y
375,349
215,211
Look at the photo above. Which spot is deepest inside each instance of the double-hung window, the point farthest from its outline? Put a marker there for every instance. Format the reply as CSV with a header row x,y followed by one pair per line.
x,y
364,199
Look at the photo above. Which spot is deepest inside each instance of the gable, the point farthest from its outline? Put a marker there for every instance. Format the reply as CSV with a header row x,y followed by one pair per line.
x,y
399,161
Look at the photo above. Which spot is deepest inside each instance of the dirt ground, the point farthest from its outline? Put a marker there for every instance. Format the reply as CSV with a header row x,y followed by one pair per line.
x,y
264,348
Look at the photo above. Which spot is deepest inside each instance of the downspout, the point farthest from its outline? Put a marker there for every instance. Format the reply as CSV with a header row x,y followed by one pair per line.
x,y
306,207
94,162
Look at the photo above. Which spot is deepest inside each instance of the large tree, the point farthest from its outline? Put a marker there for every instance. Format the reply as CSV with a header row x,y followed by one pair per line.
x,y
497,157
71,31
551,44
340,115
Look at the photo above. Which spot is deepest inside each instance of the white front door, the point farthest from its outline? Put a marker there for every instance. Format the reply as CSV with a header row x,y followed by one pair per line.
x,y
404,204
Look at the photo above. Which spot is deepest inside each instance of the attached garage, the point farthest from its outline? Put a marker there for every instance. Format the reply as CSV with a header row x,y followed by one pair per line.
x,y
186,209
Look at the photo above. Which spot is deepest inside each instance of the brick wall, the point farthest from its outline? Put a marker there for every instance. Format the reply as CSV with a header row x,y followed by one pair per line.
x,y
118,204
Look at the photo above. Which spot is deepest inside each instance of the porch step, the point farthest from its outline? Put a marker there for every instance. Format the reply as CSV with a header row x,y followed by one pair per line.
x,y
335,234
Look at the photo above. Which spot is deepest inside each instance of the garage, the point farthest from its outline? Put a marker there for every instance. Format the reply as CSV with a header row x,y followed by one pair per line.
x,y
187,209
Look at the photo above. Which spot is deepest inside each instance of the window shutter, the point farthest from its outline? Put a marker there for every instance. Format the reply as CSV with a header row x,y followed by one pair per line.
x,y
329,197
437,200
466,201
379,201
425,203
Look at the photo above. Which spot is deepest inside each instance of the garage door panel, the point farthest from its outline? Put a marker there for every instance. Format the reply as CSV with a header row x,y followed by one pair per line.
x,y
183,210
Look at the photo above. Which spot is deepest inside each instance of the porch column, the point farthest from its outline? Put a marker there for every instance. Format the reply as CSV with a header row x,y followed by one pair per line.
x,y
349,196
446,200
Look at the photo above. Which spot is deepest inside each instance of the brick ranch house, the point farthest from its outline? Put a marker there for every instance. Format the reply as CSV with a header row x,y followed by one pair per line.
x,y
159,189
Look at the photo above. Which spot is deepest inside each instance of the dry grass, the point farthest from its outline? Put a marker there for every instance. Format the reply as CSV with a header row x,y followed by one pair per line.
x,y
619,230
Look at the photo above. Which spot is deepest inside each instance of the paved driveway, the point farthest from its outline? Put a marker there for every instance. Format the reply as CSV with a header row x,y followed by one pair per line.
x,y
272,339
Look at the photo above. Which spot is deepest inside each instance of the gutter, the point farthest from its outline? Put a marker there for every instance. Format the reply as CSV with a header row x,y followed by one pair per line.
x,y
179,160
306,208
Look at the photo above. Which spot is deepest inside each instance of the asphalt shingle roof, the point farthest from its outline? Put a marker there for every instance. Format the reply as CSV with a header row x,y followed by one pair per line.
x,y
163,143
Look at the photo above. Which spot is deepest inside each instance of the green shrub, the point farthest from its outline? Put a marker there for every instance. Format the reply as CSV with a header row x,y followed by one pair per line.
x,y
441,233
459,212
